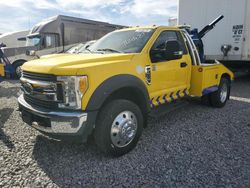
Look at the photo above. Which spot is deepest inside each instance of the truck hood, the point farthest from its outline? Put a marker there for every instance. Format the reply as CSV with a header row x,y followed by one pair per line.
x,y
69,64
14,51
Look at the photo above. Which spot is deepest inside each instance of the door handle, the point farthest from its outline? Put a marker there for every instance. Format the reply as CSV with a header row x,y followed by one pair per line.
x,y
183,64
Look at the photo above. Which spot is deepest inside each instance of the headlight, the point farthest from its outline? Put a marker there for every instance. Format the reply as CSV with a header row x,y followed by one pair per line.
x,y
73,87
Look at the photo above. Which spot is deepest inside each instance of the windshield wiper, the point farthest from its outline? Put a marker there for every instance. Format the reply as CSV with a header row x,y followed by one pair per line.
x,y
109,50
86,49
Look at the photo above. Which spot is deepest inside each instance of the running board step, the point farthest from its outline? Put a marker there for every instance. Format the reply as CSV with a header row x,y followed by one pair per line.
x,y
166,108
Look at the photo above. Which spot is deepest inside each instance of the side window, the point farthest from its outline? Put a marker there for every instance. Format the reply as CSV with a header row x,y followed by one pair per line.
x,y
51,40
164,36
167,46
182,42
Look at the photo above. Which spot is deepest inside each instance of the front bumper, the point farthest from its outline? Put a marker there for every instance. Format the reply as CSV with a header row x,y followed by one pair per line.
x,y
57,123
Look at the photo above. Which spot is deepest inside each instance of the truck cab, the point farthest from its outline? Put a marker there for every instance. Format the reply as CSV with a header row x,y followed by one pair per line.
x,y
109,89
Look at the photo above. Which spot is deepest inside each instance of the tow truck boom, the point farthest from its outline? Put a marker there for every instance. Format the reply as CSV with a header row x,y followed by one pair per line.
x,y
209,27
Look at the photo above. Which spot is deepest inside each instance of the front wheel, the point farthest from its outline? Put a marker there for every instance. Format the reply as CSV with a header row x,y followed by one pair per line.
x,y
219,98
119,127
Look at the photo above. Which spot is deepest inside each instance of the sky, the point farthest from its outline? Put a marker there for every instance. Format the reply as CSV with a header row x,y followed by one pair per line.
x,y
19,15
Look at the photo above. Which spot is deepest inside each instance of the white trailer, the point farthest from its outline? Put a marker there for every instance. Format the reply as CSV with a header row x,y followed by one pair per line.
x,y
230,41
14,39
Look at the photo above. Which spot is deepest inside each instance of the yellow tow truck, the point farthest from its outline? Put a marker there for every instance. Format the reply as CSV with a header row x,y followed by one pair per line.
x,y
1,72
109,89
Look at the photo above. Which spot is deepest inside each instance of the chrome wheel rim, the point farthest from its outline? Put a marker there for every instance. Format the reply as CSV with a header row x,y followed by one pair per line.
x,y
123,129
18,71
223,93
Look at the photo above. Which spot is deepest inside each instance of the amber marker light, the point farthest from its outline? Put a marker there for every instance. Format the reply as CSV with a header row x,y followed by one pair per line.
x,y
83,84
200,69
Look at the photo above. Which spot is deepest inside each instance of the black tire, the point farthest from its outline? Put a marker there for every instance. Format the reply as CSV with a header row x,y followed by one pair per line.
x,y
105,121
17,65
215,98
205,100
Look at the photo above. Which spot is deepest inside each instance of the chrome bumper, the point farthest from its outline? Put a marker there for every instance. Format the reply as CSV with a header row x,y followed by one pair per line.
x,y
60,122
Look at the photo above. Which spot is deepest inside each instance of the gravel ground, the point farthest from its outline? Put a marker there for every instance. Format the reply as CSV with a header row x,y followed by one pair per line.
x,y
196,146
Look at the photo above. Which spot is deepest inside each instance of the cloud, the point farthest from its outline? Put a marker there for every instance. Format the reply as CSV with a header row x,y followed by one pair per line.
x,y
146,8
23,14
87,4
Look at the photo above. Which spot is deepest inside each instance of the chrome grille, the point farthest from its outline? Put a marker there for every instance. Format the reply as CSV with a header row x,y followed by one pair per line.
x,y
38,76
42,91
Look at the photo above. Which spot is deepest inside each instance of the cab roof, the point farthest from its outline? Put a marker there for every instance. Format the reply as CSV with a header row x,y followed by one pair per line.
x,y
150,27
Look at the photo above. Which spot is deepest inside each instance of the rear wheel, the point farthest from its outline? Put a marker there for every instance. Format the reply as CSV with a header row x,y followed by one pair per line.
x,y
119,127
219,98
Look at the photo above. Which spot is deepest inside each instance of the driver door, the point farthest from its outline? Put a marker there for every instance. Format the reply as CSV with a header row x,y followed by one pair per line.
x,y
171,68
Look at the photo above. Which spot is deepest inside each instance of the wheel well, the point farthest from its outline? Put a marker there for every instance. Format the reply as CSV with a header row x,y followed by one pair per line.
x,y
131,94
19,61
227,76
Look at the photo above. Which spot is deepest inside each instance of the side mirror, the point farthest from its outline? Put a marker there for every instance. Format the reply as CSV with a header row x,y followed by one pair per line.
x,y
31,53
173,50
86,47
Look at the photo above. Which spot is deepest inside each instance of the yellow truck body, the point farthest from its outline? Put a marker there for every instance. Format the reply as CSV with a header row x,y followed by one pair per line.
x,y
142,77
2,70
207,76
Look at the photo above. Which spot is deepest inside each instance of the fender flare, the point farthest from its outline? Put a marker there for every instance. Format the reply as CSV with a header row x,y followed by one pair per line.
x,y
112,84
19,60
15,63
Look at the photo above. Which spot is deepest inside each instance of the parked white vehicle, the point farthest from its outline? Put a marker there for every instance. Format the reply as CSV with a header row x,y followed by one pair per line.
x,y
14,39
230,42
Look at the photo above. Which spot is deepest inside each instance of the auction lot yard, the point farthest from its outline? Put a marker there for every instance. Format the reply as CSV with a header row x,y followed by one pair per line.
x,y
195,146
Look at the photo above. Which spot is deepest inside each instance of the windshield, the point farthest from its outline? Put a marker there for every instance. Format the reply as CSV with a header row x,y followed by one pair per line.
x,y
80,48
75,48
33,41
86,46
131,41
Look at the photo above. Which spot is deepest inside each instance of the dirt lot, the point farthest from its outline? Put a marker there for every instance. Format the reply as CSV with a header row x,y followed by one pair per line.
x,y
196,146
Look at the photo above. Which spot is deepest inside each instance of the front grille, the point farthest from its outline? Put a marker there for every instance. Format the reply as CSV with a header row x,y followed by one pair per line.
x,y
40,103
39,76
42,90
